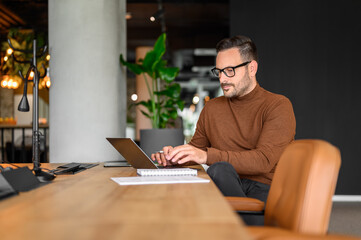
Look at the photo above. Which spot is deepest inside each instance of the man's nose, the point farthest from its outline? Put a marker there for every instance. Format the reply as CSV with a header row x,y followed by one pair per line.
x,y
222,77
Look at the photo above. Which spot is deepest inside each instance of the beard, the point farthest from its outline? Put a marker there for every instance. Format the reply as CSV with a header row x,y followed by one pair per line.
x,y
228,90
231,90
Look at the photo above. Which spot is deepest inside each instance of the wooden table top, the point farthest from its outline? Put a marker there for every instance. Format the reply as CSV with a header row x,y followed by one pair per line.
x,y
16,126
89,205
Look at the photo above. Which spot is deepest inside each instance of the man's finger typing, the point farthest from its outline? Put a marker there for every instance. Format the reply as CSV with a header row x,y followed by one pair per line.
x,y
160,156
186,153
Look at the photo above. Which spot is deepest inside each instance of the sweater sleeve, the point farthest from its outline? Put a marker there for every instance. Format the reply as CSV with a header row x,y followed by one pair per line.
x,y
199,139
278,131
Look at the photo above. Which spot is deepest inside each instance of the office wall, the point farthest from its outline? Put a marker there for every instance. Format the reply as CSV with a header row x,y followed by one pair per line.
x,y
310,52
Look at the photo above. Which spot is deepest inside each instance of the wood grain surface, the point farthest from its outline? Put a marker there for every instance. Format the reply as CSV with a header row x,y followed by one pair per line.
x,y
89,205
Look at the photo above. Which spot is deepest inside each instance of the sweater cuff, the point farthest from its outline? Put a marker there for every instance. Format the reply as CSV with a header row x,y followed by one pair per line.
x,y
212,154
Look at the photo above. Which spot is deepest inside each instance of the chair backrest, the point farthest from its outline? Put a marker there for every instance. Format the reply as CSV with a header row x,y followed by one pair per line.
x,y
300,197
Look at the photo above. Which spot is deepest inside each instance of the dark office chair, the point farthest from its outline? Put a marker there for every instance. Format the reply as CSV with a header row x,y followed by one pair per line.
x,y
300,197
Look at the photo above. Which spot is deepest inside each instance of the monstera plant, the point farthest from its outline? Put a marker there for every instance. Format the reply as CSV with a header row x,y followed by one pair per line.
x,y
164,93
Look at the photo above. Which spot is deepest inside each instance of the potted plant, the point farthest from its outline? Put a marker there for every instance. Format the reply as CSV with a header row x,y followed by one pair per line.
x,y
164,96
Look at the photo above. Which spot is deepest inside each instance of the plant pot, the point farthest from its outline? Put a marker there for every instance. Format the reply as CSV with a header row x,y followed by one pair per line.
x,y
153,140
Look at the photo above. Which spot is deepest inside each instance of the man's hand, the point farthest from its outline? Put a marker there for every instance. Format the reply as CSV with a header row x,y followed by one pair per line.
x,y
186,153
180,155
160,156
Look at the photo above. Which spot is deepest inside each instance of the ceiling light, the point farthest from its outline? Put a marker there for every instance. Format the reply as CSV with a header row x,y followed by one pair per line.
x,y
157,15
128,15
9,51
134,97
195,99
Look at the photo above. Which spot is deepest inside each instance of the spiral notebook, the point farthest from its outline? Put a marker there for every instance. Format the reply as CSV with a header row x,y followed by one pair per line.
x,y
158,180
167,172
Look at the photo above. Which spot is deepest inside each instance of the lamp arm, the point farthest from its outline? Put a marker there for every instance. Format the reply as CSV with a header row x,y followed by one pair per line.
x,y
17,49
45,47
25,81
45,71
17,60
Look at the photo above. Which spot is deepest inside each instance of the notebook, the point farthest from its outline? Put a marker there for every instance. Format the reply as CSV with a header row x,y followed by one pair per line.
x,y
158,180
132,153
167,172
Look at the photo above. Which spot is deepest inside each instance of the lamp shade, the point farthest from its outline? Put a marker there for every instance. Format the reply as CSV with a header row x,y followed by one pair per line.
x,y
24,104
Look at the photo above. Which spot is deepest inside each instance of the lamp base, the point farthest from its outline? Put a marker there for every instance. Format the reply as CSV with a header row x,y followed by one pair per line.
x,y
43,176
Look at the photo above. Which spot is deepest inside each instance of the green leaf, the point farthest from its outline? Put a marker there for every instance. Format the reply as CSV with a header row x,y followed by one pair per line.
x,y
162,93
180,104
144,103
162,124
173,114
147,104
153,57
164,117
146,114
169,104
175,89
162,63
168,74
159,46
171,91
133,67
148,62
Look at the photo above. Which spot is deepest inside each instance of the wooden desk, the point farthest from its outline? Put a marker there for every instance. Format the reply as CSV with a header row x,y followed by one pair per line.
x,y
89,205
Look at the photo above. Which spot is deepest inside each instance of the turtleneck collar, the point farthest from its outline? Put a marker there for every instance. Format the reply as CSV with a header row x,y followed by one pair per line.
x,y
249,95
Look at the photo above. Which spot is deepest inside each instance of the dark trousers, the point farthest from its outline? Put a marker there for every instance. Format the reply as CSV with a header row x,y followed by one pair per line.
x,y
227,180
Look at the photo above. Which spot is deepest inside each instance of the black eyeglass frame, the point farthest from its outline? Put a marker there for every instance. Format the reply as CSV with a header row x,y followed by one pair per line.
x,y
233,68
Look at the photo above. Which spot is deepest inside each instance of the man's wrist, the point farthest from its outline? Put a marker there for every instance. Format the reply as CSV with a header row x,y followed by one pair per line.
x,y
207,156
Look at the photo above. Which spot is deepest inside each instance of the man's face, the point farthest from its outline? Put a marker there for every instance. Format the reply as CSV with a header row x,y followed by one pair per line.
x,y
238,85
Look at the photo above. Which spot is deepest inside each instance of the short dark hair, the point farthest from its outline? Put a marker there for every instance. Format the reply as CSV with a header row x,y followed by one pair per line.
x,y
246,47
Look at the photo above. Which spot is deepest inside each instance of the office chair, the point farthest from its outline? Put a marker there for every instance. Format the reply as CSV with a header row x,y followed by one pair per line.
x,y
300,197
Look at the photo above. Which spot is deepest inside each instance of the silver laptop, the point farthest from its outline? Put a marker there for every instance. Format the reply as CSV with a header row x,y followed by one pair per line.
x,y
132,153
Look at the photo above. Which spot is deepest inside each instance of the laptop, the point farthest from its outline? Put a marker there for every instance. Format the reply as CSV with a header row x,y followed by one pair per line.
x,y
132,153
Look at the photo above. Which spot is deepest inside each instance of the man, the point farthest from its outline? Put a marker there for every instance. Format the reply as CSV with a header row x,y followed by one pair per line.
x,y
242,134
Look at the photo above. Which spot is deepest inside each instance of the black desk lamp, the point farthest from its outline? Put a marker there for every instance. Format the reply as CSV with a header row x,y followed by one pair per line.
x,y
24,106
24,103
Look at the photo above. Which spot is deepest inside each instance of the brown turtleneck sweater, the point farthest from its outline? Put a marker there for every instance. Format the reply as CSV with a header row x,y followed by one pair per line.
x,y
249,132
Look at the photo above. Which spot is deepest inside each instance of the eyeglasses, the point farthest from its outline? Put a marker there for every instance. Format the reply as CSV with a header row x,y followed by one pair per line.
x,y
229,71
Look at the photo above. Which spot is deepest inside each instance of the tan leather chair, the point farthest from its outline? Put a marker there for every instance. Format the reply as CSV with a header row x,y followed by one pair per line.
x,y
300,197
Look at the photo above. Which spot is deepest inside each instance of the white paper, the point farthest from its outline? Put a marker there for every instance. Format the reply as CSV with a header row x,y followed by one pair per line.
x,y
158,180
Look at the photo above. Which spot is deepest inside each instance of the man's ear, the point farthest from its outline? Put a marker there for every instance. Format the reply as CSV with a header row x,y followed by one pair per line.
x,y
252,68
